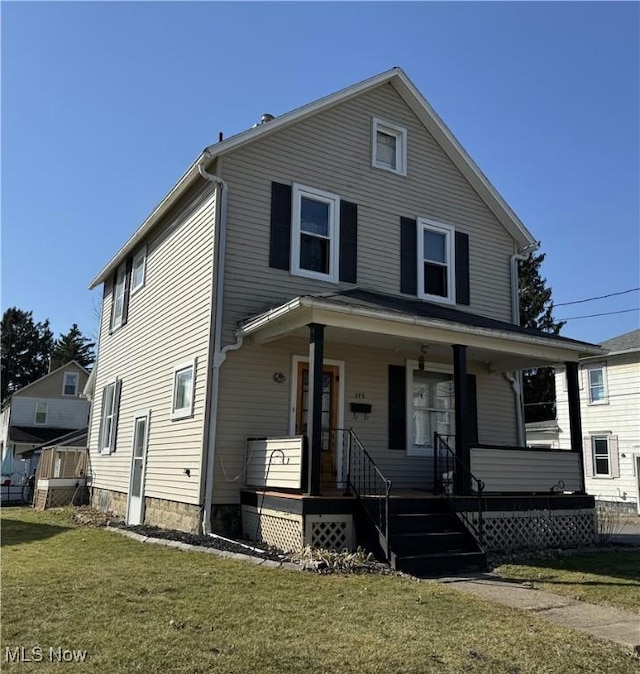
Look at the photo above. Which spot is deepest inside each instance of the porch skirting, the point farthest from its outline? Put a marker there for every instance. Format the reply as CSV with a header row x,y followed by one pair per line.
x,y
508,531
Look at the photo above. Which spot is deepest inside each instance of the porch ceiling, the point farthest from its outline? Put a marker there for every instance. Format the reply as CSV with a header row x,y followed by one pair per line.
x,y
372,320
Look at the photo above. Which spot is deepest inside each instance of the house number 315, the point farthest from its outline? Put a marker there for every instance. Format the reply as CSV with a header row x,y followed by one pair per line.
x,y
359,396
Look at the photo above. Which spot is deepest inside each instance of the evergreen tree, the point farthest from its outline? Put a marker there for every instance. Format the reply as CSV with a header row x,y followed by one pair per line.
x,y
26,348
536,311
72,346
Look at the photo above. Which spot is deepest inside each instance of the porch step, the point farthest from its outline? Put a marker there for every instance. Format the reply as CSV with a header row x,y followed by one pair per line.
x,y
398,506
430,542
418,522
438,563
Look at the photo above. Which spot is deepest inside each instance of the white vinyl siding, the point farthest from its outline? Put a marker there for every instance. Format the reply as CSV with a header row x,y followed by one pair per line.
x,y
171,326
62,412
332,151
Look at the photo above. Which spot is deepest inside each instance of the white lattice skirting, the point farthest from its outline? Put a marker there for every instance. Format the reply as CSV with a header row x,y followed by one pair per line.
x,y
281,529
290,532
333,532
537,529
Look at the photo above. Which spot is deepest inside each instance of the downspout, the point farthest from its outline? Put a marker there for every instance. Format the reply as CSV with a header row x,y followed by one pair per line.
x,y
515,378
219,353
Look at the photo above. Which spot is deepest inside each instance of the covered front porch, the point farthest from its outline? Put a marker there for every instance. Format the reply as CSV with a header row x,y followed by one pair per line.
x,y
447,410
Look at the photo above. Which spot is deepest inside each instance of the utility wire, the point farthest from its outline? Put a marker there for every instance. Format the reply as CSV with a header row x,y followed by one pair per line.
x,y
605,313
600,297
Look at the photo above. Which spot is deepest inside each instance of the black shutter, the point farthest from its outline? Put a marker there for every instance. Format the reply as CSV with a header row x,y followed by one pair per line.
x,y
348,242
472,408
462,268
408,256
127,288
280,244
113,296
397,407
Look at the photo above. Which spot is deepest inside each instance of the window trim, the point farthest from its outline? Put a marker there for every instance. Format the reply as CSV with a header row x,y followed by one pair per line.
x,y
400,134
118,321
589,369
410,366
76,387
450,232
110,446
183,412
142,253
297,193
46,413
600,436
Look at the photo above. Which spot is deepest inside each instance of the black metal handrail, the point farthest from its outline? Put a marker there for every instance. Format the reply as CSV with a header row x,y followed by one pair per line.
x,y
446,464
365,480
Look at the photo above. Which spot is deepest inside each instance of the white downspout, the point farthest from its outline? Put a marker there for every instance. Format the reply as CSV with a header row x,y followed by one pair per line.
x,y
515,378
219,353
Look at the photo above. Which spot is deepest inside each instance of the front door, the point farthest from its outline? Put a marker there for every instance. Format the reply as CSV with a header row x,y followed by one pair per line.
x,y
330,397
135,510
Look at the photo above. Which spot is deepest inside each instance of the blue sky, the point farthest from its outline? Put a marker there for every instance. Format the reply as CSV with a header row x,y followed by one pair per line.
x,y
104,105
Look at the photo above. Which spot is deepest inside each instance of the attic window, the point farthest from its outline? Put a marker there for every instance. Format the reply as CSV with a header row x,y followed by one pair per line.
x,y
389,147
70,385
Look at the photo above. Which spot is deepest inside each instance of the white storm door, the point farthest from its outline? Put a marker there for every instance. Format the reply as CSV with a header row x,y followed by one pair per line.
x,y
135,510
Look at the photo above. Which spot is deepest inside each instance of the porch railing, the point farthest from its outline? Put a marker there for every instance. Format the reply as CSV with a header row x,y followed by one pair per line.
x,y
365,480
446,464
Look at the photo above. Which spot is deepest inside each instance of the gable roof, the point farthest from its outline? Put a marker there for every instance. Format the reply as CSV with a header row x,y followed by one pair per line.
x,y
630,341
414,100
46,376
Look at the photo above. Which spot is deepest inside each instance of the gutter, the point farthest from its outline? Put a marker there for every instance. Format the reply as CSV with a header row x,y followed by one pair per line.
x,y
219,353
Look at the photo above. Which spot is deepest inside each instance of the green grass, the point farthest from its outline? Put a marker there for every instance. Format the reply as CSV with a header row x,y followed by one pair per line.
x,y
607,578
143,608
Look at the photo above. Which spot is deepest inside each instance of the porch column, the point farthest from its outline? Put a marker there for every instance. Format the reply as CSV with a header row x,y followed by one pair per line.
x,y
314,408
462,481
575,420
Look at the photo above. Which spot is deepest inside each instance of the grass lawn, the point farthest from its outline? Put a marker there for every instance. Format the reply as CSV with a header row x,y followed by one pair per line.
x,y
145,608
608,578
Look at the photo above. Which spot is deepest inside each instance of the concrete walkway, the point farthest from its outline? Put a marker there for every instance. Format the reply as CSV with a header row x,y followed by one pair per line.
x,y
601,621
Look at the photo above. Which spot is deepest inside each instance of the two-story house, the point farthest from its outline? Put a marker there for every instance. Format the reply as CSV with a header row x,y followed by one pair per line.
x,y
46,409
610,399
326,302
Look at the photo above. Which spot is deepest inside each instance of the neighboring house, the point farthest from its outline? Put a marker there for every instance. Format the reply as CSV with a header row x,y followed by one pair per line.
x,y
543,434
39,413
343,266
610,404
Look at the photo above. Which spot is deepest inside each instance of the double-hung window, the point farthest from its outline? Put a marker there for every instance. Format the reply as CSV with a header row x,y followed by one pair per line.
x,y
389,147
315,233
138,269
70,384
183,385
597,385
109,416
119,297
601,458
436,257
42,408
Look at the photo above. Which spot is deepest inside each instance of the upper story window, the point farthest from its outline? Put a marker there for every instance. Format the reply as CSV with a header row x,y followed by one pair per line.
x,y
138,269
70,384
40,417
109,417
315,234
435,261
389,147
120,297
597,385
183,385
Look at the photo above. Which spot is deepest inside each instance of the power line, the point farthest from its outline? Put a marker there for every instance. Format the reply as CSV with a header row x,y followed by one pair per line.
x,y
599,297
605,313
